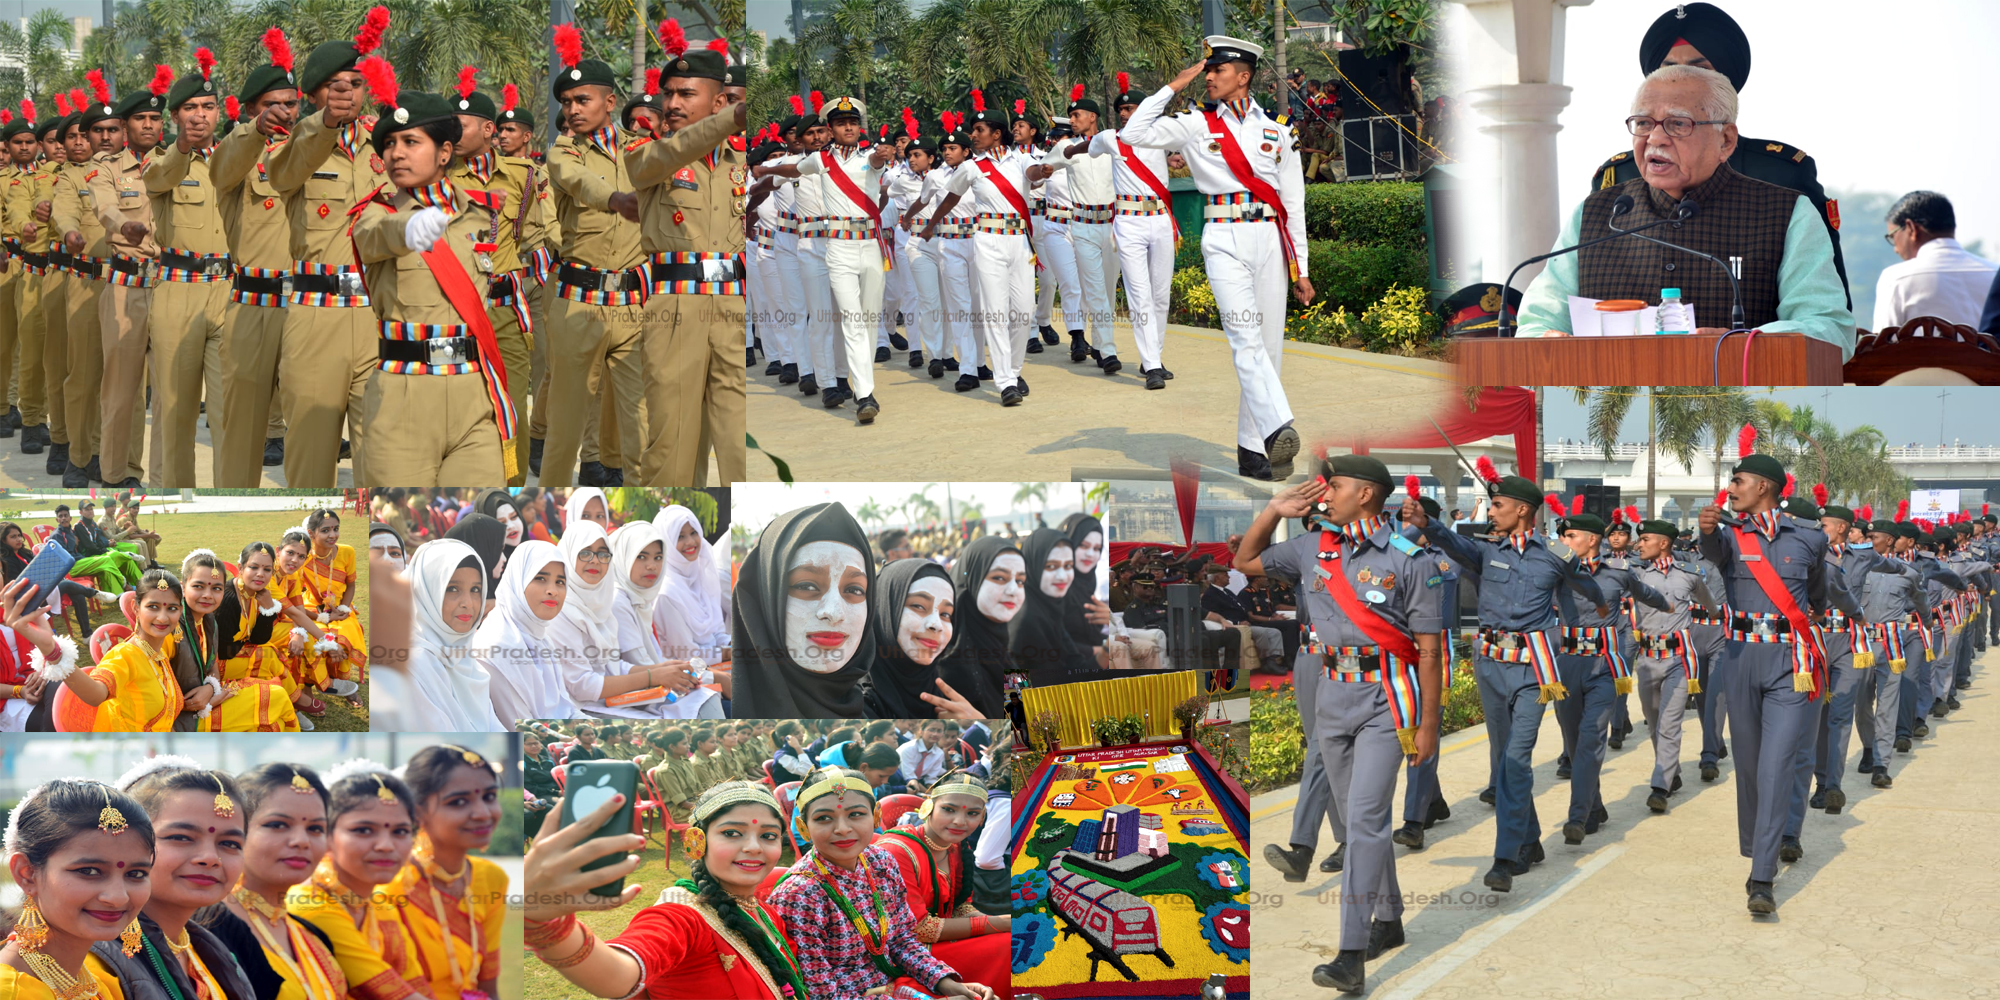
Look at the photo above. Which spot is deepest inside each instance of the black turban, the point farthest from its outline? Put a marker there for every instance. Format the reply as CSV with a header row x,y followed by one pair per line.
x,y
1715,34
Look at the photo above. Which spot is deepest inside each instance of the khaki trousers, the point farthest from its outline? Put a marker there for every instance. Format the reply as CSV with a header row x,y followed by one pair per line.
x,y
55,351
252,337
600,433
324,364
694,381
582,337
23,300
81,383
10,326
429,430
122,312
514,353
538,360
186,362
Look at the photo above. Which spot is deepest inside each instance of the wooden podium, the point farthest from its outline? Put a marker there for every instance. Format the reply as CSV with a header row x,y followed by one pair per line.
x,y
1775,359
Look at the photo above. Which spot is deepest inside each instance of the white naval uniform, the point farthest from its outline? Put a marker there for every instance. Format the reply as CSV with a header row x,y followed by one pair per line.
x,y
853,259
788,291
1145,244
1057,255
760,264
900,186
926,257
818,327
1003,297
1244,260
957,260
1045,287
1092,195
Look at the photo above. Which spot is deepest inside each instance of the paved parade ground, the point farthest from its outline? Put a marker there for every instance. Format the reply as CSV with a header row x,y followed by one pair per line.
x,y
1898,896
1077,417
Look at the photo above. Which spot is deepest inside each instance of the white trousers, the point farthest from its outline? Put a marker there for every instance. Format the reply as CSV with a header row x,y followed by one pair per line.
x,y
786,291
855,268
957,262
898,294
1146,256
1246,270
926,260
1058,271
1004,302
1097,276
817,328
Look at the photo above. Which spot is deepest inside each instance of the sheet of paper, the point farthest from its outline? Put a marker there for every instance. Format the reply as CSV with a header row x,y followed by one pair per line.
x,y
1586,321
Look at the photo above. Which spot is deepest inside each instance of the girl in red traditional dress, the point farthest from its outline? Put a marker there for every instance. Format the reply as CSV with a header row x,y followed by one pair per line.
x,y
936,861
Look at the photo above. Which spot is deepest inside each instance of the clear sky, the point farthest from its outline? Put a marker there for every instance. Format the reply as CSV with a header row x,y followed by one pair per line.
x,y
1884,96
755,504
1906,414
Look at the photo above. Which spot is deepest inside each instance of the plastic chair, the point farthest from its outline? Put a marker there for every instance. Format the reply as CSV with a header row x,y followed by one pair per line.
x,y
648,806
42,533
771,774
69,714
894,806
560,772
107,635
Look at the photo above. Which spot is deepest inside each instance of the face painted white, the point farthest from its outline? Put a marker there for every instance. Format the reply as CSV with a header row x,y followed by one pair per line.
x,y
1090,552
999,601
390,549
1055,581
824,622
512,521
923,637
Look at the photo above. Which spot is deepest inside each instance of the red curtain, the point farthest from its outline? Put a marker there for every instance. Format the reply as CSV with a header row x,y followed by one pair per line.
x,y
1120,551
1501,410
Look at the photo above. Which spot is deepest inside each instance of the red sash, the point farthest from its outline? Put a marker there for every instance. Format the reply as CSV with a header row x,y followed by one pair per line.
x,y
854,193
1145,175
1392,639
1007,191
1232,154
1812,653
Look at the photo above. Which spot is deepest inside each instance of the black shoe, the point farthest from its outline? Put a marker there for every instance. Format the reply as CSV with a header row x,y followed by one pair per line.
x,y
1347,973
966,383
1818,800
1866,767
58,459
1709,771
951,364
1500,878
1010,396
1922,730
1882,779
789,375
1439,812
1938,710
1155,380
866,409
1617,742
92,470
1384,935
1563,767
129,483
590,474
1761,900
1112,365
1034,346
1334,862
346,449
1165,374
274,452
749,357
1253,465
1279,447
74,478
1410,835
1676,786
1598,817
1952,704
1962,685
1290,862
1050,337
985,374
1021,384
7,424
1572,832
33,439
776,367
881,355
1487,795
936,368
832,396
1723,752
1902,744
1789,850
535,446
899,342
1657,801
1531,854
809,386
1078,350
1835,801
14,417
614,477
916,359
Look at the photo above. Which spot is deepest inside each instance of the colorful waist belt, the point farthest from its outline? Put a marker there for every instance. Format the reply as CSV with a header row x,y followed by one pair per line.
x,y
331,285
1002,223
592,286
1141,205
258,286
1698,615
1237,207
198,268
690,273
1093,215
1058,213
845,228
132,272
1659,645
1586,640
1760,628
426,349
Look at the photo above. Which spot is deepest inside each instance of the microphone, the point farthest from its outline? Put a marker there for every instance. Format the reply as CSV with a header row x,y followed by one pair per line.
x,y
1688,209
1619,206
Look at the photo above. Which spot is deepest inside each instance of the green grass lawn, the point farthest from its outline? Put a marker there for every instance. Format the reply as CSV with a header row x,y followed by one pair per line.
x,y
226,534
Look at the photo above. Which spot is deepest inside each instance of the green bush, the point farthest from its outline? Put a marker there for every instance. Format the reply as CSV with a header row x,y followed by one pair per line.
x,y
1192,301
1386,213
1277,741
508,840
1356,277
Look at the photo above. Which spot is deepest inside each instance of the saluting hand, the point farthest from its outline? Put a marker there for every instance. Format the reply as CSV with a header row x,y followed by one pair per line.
x,y
1711,517
1296,500
1413,512
1190,74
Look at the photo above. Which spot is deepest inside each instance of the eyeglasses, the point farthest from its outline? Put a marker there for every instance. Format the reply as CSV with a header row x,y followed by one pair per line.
x,y
593,556
1890,236
1679,128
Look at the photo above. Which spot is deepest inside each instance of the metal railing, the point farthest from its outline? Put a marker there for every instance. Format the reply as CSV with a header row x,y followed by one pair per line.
x,y
1910,453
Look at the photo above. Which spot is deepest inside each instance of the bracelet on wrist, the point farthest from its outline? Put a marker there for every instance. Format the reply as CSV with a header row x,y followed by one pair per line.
x,y
539,934
576,957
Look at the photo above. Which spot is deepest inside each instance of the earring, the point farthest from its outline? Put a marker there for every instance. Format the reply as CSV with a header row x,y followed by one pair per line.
x,y
131,938
30,929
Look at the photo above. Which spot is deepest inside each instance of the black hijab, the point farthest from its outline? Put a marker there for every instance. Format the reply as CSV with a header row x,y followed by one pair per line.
x,y
894,681
12,562
1036,638
977,662
488,538
1074,528
769,683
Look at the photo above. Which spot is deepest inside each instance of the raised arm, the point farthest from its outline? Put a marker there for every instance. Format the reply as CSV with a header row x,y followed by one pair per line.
x,y
655,162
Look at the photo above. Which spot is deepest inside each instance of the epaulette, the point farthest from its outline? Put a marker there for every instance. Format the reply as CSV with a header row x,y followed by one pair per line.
x,y
1607,172
1284,117
636,143
486,199
1780,150
374,197
1404,545
87,178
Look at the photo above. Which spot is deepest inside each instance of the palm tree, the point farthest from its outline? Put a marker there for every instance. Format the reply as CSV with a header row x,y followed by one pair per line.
x,y
847,34
870,513
46,45
922,508
1677,417
1853,463
1093,39
1031,494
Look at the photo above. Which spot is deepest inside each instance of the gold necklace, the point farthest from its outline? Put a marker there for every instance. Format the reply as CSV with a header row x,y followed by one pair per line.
x,y
924,834
257,904
58,979
183,946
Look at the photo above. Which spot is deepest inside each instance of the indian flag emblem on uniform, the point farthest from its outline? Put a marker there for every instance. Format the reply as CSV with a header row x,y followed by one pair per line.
x,y
1130,765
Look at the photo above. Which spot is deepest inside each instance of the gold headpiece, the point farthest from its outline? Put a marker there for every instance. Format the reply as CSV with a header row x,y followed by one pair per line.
x,y
223,807
728,794
955,783
110,820
300,784
470,758
382,790
161,584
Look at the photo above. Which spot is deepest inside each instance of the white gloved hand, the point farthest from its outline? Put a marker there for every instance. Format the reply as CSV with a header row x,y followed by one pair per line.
x,y
425,227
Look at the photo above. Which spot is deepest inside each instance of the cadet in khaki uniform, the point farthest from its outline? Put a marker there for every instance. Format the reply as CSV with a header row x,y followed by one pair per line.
x,y
691,188
21,186
436,410
599,286
74,216
322,173
514,135
118,195
254,217
193,288
501,276
41,236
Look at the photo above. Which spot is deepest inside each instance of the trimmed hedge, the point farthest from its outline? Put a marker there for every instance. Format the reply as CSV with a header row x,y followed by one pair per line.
x,y
1346,274
1387,213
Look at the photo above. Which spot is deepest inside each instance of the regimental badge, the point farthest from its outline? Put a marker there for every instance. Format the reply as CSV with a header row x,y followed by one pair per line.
x,y
1207,50
1798,156
1265,147
678,217
324,211
375,164
739,174
1833,213
1444,565
402,115
1365,576
1387,580
1491,301
269,202
1214,147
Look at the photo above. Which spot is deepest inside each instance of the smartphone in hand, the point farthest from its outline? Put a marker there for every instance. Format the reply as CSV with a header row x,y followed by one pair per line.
x,y
590,784
45,572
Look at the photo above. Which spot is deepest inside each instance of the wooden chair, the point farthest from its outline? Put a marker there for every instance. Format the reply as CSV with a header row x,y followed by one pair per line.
x,y
1924,342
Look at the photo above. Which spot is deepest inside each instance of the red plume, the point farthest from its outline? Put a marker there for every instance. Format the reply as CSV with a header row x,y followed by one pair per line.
x,y
1722,498
381,79
672,38
569,44
1412,486
1021,107
205,59
62,105
1746,441
1617,514
6,117
1791,484
369,37
719,45
1076,93
1632,513
883,133
28,109
467,82
230,106
798,105
279,47
1486,470
98,90
510,97
1820,494
819,101
1866,512
1902,510
653,80
1984,508
1555,505
163,81
1124,82
77,100
1576,505
978,99
1924,524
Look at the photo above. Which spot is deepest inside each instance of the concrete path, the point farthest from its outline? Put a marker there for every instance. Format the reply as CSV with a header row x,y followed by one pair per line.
x,y
171,503
1077,417
1898,896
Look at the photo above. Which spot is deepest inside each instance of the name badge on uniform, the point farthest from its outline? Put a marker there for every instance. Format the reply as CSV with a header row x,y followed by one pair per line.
x,y
1497,564
1376,597
1750,558
326,175
190,182
684,179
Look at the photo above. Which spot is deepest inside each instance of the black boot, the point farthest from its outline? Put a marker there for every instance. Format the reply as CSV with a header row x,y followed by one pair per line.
x,y
789,375
1291,862
1336,861
1761,899
74,478
1252,465
1410,835
58,459
1439,812
985,374
1790,850
590,474
881,355
1279,447
1034,345
1384,935
1112,365
1050,337
899,342
614,477
274,452
966,383
865,409
1563,767
1882,779
916,359
776,367
936,368
1078,350
535,455
34,439
809,386
1348,972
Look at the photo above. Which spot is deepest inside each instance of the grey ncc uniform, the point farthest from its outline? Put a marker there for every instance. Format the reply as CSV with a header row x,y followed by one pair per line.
x,y
1353,725
1919,692
1892,596
1585,715
1661,667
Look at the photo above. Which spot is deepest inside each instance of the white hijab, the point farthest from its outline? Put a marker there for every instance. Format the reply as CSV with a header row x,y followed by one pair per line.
x,y
626,544
450,690
588,607
694,587
577,500
511,643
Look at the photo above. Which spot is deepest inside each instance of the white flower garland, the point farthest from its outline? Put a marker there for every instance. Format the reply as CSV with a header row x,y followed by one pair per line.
x,y
60,670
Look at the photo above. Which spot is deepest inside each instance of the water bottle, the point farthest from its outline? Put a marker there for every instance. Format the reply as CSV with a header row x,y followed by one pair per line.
x,y
1673,313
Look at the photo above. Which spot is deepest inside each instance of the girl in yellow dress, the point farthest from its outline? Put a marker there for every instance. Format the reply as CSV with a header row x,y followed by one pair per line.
x,y
217,630
310,651
80,852
285,957
133,687
453,903
198,856
373,826
330,582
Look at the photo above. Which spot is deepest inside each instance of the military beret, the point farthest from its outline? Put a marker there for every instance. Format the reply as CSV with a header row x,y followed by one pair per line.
x,y
736,75
1962,528
585,72
191,85
925,143
326,59
1883,526
1582,522
699,64
1703,25
1908,529
1518,488
414,109
47,125
634,103
1835,510
142,101
263,80
1942,536
1802,507
15,127
1618,528
1366,468
1654,526
1762,465
1086,104
476,104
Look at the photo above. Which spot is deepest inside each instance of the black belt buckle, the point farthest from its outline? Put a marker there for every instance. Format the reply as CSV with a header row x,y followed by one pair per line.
x,y
1507,640
436,351
1583,646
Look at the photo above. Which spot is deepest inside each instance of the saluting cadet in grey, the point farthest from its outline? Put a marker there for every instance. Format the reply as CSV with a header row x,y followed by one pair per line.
x,y
1773,566
1592,666
1941,586
1979,571
1665,641
1376,607
1515,663
1315,798
1894,601
1423,799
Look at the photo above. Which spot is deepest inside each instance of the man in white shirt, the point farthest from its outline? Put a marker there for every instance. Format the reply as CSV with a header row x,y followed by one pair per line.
x,y
923,758
1004,299
1937,277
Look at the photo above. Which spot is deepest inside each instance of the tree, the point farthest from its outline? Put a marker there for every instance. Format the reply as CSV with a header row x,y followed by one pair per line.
x,y
1677,418
1854,464
844,35
922,508
870,513
1032,495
